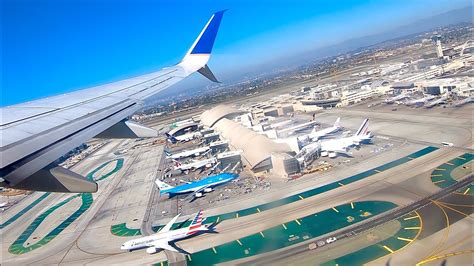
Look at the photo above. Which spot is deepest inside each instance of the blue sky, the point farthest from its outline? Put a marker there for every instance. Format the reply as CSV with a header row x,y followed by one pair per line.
x,y
51,46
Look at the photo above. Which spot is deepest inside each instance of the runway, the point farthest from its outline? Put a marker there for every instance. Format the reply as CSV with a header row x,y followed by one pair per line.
x,y
121,207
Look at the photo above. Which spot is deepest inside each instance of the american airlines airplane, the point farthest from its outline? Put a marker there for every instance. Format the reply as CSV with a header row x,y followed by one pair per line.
x,y
165,238
188,153
35,134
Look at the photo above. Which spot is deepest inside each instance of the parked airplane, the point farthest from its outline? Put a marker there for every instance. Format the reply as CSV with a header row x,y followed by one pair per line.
x,y
36,133
185,137
318,134
334,146
188,153
397,98
442,100
194,165
198,188
166,238
294,129
420,102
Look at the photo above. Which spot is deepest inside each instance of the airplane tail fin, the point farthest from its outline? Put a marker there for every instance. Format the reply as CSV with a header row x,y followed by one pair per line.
x,y
162,185
338,122
196,223
176,163
198,55
364,128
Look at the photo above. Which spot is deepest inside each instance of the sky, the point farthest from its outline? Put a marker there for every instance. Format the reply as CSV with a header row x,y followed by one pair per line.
x,y
51,47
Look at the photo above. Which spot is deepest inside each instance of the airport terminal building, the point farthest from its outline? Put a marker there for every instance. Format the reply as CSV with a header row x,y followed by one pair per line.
x,y
259,153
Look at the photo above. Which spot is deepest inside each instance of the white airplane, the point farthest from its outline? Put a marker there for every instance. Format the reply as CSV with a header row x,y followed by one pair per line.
x,y
296,128
334,146
35,134
442,100
185,137
188,153
318,134
166,238
419,102
194,165
397,98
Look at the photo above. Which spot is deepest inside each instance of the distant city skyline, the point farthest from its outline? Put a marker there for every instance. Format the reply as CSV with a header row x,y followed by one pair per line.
x,y
51,47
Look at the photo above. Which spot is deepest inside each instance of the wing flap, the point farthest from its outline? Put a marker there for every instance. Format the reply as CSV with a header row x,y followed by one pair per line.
x,y
163,244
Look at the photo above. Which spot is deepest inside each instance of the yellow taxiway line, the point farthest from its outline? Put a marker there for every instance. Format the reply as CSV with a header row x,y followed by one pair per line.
x,y
388,249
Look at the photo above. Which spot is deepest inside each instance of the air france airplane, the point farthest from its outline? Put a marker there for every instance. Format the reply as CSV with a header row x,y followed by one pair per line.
x,y
165,238
198,188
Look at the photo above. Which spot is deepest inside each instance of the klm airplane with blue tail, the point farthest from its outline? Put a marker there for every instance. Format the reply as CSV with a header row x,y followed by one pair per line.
x,y
198,188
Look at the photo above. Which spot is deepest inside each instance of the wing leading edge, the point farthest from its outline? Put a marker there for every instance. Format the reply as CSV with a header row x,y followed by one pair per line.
x,y
35,134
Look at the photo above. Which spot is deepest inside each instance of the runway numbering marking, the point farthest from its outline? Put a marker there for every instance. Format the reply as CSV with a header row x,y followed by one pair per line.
x,y
18,246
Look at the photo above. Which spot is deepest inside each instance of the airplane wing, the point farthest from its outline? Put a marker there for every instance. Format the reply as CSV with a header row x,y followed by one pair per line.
x,y
163,244
35,134
191,197
167,227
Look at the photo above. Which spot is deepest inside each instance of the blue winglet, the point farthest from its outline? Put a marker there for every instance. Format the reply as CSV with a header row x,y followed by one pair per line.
x,y
206,40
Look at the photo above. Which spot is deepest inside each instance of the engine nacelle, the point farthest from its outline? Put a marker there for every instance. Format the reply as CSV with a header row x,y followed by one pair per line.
x,y
151,250
324,153
332,154
207,190
198,195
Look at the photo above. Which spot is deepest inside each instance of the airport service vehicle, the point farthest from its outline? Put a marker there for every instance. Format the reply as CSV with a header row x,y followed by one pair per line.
x,y
447,144
166,238
185,137
194,165
318,134
197,188
36,133
187,153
